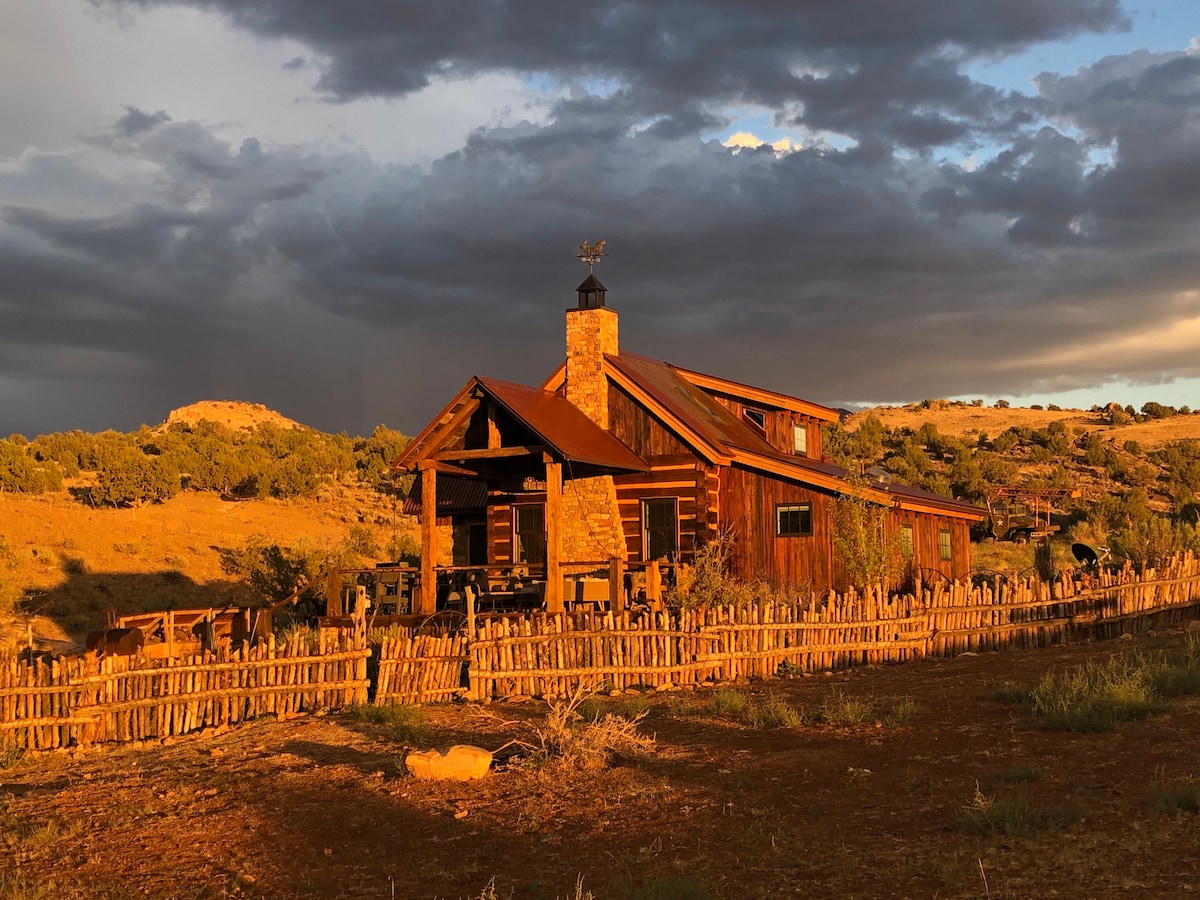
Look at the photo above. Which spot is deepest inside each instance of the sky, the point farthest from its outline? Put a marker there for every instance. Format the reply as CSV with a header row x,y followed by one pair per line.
x,y
345,210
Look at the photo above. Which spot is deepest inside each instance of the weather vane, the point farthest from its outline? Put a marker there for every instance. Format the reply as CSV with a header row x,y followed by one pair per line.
x,y
591,253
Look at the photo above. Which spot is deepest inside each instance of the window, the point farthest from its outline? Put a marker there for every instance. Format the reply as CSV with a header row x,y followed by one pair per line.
x,y
660,531
800,440
907,547
793,520
529,534
945,551
757,418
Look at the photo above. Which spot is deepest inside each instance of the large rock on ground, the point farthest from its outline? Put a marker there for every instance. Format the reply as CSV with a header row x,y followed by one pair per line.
x,y
462,762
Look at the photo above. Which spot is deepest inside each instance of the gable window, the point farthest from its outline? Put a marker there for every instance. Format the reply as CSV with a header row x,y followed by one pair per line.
x,y
800,440
945,550
793,520
907,545
660,528
529,534
757,418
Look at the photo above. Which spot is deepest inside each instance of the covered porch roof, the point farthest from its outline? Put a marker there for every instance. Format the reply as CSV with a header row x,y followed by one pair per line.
x,y
554,427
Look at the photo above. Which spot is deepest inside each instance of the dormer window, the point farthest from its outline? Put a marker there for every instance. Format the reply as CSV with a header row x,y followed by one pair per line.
x,y
800,440
756,417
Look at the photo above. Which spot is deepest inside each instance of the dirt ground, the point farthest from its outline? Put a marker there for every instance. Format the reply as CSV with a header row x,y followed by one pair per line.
x,y
321,806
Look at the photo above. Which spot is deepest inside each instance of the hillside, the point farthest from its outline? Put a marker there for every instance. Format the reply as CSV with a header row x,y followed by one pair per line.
x,y
965,420
73,562
235,414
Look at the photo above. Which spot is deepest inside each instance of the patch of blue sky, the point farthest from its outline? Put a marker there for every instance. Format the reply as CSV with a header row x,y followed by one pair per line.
x,y
1155,25
546,83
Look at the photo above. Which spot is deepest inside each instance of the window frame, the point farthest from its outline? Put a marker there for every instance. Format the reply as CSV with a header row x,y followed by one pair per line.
x,y
518,547
646,503
945,545
797,430
908,540
782,507
756,417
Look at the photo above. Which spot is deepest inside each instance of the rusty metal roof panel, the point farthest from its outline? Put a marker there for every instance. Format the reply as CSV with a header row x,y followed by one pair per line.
x,y
907,492
454,495
562,426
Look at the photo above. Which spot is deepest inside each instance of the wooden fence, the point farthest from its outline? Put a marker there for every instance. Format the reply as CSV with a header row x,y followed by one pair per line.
x,y
74,702
551,655
80,701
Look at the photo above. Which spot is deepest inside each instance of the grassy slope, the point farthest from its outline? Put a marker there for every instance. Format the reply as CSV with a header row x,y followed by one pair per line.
x,y
73,562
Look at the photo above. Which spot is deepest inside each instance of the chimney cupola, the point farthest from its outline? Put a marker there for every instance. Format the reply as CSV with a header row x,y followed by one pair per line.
x,y
591,293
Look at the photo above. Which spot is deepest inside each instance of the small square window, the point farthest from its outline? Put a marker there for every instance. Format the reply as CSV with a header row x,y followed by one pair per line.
x,y
793,520
800,440
945,549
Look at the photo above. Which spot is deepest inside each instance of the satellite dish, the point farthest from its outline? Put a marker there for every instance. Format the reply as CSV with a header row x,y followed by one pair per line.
x,y
1084,554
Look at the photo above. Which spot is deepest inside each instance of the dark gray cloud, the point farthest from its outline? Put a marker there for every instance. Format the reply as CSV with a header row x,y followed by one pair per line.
x,y
177,265
880,67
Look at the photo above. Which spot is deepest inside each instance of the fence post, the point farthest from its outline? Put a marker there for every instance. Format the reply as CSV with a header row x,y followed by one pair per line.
x,y
616,584
653,584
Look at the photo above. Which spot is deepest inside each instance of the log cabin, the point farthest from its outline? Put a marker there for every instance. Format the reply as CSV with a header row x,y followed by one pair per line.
x,y
620,457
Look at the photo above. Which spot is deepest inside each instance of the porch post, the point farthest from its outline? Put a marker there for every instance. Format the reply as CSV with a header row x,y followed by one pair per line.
x,y
554,582
426,604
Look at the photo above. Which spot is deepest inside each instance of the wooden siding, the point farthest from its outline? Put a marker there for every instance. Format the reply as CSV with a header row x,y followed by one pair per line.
x,y
678,476
500,524
926,552
645,435
778,425
747,504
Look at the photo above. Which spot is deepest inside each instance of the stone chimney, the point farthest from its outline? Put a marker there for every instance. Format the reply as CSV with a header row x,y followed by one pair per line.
x,y
591,332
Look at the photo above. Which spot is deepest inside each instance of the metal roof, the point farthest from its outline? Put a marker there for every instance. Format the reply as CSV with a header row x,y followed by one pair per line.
x,y
562,426
454,495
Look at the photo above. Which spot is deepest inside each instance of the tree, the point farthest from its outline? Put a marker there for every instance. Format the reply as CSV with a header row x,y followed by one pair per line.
x,y
131,478
861,538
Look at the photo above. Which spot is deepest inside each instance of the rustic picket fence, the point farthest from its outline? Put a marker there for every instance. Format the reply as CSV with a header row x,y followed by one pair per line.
x,y
79,701
553,655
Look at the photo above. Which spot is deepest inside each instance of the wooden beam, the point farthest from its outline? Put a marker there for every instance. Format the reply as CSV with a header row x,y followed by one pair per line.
x,y
426,602
428,441
488,453
493,437
447,469
554,579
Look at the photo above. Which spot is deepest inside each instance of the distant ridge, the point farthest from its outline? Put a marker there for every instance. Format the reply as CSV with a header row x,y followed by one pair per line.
x,y
231,414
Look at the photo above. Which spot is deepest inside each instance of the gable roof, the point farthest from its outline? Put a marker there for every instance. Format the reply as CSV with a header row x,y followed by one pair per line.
x,y
676,396
556,423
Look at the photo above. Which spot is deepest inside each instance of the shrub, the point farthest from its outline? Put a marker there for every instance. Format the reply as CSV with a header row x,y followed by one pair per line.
x,y
706,580
1175,795
402,724
1095,697
566,741
1014,816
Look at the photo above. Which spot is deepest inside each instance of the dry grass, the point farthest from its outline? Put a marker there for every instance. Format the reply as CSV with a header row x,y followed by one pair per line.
x,y
566,741
72,562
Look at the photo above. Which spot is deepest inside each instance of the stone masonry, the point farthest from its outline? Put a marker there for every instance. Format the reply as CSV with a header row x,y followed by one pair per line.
x,y
591,333
591,517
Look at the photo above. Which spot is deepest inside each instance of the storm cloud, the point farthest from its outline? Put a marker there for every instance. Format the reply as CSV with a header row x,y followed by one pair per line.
x,y
157,262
